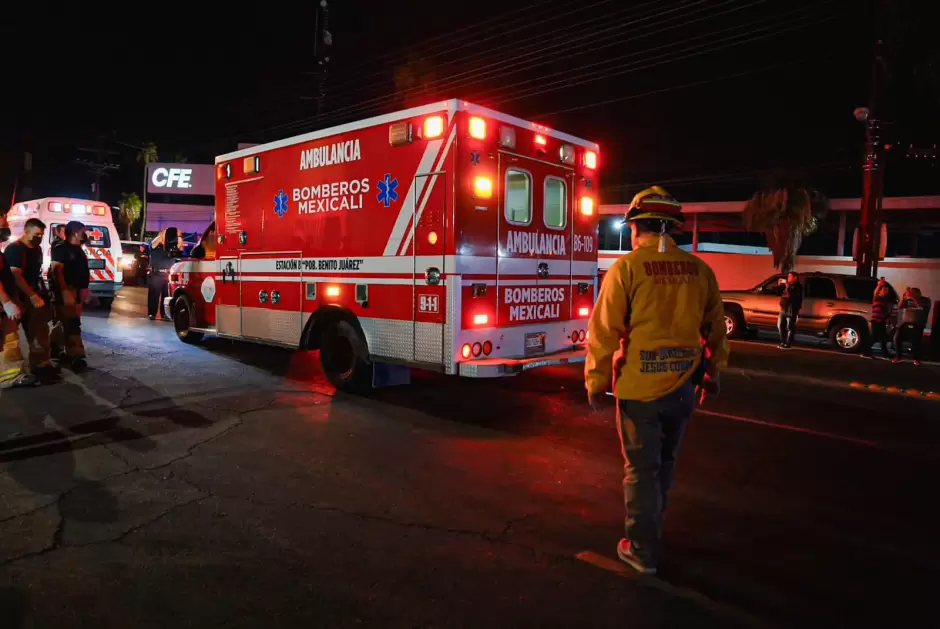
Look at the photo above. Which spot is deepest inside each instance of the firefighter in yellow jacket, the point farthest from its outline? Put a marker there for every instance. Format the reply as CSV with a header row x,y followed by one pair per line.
x,y
658,316
12,368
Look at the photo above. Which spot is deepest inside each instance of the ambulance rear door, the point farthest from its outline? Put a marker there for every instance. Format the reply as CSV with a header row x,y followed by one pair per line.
x,y
534,268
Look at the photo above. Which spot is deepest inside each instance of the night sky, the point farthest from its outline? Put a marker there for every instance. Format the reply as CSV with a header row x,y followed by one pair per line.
x,y
708,97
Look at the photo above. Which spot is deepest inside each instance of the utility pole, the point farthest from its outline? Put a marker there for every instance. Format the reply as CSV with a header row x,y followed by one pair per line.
x,y
98,166
322,42
867,245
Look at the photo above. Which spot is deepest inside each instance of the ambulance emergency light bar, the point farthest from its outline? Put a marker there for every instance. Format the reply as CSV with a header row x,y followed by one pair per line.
x,y
79,209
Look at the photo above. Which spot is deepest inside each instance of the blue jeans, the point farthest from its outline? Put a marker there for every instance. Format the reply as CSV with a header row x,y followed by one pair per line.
x,y
650,436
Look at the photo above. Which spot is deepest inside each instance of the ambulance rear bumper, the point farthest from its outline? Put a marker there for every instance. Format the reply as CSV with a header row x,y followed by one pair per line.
x,y
499,367
104,289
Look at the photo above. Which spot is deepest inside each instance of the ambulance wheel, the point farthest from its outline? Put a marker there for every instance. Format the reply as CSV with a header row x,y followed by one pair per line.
x,y
183,318
342,349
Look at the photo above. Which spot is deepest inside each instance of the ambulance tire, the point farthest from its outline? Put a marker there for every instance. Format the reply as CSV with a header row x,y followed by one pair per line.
x,y
183,317
342,348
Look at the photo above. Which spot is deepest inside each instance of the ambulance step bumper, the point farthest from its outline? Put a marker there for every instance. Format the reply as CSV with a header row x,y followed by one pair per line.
x,y
104,289
498,367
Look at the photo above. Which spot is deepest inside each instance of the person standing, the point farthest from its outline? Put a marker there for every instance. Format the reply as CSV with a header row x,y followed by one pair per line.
x,y
24,257
12,368
656,305
790,304
69,277
880,311
163,255
912,321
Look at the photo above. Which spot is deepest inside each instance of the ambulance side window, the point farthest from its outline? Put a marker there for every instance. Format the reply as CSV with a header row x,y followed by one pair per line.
x,y
555,205
518,197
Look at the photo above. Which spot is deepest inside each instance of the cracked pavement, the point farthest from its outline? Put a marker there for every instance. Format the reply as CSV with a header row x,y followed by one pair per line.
x,y
225,485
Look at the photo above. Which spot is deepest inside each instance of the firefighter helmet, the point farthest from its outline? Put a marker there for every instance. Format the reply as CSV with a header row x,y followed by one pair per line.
x,y
655,204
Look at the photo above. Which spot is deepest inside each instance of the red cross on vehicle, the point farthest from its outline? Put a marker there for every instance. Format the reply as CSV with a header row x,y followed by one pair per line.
x,y
95,234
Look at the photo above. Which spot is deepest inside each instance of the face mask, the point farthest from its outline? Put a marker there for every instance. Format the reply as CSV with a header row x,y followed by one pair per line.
x,y
36,240
83,239
4,234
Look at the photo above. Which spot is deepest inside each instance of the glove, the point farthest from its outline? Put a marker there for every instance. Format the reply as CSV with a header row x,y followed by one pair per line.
x,y
12,310
710,387
37,301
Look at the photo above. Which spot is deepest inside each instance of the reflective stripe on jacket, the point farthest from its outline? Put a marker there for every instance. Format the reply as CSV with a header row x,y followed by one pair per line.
x,y
660,305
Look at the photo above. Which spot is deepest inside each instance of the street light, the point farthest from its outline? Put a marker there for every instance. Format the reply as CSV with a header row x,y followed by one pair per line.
x,y
618,225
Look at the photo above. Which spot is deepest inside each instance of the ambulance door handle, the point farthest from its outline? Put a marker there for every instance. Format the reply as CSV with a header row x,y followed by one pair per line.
x,y
263,297
543,270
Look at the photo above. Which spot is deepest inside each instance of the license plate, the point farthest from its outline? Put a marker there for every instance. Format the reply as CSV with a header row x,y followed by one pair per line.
x,y
534,343
96,264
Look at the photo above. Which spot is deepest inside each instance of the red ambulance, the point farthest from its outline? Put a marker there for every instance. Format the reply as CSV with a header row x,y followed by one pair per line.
x,y
448,237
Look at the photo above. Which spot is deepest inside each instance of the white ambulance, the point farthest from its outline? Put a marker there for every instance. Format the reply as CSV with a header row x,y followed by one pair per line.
x,y
103,247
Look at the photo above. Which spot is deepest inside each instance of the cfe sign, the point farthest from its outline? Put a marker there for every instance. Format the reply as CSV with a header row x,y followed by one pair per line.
x,y
196,179
172,178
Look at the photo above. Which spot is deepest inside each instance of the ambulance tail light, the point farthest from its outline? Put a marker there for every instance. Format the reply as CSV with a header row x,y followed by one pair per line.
x,y
540,140
433,127
477,128
466,350
587,206
483,187
332,290
98,210
476,349
590,160
480,319
487,348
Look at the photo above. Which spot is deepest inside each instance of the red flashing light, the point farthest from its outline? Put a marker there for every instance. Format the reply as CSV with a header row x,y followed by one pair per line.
x,y
477,128
590,160
433,127
540,140
583,312
480,319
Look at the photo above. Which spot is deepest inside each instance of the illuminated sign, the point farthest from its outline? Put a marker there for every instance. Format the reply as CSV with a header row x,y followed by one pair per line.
x,y
197,179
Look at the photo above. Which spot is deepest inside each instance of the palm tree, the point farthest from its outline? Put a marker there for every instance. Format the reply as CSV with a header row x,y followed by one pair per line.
x,y
146,156
130,206
179,158
786,215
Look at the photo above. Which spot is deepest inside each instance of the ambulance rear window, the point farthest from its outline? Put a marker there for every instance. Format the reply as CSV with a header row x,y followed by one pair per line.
x,y
97,236
555,205
518,196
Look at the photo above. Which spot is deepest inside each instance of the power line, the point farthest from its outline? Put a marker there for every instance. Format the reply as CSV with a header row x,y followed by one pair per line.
x,y
366,106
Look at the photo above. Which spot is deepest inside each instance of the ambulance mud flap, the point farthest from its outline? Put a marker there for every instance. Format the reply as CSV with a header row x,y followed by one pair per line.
x,y
385,375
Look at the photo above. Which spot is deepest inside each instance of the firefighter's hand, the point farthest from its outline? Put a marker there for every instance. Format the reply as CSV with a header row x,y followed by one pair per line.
x,y
12,310
596,400
37,301
710,387
88,298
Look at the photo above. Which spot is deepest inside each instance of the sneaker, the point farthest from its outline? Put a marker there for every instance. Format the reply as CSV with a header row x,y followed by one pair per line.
x,y
151,317
625,552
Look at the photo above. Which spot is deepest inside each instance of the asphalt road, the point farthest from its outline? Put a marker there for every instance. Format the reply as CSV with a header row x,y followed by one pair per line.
x,y
225,485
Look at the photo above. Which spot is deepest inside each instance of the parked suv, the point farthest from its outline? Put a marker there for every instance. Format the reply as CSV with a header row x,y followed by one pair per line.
x,y
834,306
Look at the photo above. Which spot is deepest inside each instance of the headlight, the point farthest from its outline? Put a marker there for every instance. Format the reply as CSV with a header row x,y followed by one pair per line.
x,y
127,261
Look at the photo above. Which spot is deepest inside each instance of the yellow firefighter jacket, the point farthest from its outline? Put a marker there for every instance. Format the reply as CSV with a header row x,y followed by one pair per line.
x,y
661,305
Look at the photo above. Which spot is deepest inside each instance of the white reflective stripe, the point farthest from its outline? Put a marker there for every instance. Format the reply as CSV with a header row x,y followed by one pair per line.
x,y
193,266
327,279
430,188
